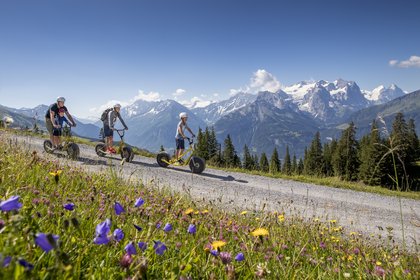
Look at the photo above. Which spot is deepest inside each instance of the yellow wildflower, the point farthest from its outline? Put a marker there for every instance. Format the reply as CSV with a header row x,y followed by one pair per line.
x,y
188,211
244,212
259,232
333,221
204,211
378,263
217,244
350,258
57,173
281,218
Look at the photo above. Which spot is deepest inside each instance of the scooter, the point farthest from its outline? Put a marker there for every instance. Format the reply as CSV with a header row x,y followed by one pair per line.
x,y
196,164
68,146
124,150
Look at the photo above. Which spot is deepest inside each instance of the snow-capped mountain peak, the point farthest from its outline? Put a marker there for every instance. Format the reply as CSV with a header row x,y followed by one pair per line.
x,y
382,94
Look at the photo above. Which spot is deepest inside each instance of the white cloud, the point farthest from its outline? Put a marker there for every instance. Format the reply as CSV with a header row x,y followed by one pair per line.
x,y
179,92
109,104
196,102
413,61
151,96
264,81
261,80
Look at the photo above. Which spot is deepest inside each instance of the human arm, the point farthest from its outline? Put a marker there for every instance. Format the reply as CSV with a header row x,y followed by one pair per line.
x,y
189,129
70,118
122,121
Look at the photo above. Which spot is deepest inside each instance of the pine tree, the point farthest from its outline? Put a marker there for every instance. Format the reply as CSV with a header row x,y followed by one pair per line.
x,y
162,149
201,149
255,165
229,154
345,158
213,145
314,159
248,161
294,164
399,154
264,166
287,164
300,167
413,141
275,162
371,169
328,152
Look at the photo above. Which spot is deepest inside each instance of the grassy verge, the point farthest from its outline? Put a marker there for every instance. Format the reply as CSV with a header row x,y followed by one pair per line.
x,y
324,181
329,181
179,239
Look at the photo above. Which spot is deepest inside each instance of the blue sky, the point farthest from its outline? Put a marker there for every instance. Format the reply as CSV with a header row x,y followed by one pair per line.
x,y
94,52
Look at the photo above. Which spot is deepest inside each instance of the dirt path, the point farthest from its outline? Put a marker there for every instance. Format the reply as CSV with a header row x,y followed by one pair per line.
x,y
356,211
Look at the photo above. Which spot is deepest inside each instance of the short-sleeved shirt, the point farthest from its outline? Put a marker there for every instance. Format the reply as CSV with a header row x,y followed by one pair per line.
x,y
55,109
183,127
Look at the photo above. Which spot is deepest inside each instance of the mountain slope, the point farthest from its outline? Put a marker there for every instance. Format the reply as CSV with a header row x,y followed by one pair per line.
x,y
270,121
408,104
213,112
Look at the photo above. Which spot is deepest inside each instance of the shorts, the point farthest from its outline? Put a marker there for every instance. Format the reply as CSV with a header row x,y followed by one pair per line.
x,y
180,143
49,126
57,132
108,131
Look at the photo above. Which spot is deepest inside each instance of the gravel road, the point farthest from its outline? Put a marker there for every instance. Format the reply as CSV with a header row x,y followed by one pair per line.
x,y
356,211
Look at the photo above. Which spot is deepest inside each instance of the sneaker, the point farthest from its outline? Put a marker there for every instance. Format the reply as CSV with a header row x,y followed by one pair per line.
x,y
181,161
111,150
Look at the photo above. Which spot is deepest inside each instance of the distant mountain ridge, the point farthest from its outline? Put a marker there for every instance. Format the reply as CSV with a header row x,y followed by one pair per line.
x,y
262,121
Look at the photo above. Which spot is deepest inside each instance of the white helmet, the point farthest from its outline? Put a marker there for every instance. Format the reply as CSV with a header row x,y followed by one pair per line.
x,y
117,105
183,115
61,99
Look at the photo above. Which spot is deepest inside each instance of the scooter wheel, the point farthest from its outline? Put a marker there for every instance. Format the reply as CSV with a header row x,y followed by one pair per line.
x,y
162,158
197,165
100,149
48,146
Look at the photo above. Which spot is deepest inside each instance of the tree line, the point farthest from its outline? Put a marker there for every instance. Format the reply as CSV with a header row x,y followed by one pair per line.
x,y
380,158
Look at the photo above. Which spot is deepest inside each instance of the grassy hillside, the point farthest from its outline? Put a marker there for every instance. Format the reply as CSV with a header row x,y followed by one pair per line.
x,y
53,228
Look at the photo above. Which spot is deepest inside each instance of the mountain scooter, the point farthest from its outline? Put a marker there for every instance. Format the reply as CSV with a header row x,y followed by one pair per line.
x,y
68,145
124,150
196,164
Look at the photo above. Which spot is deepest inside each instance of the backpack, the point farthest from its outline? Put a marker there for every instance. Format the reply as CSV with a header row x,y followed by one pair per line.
x,y
105,114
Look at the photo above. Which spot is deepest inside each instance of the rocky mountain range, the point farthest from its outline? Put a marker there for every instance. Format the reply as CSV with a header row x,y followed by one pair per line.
x,y
262,121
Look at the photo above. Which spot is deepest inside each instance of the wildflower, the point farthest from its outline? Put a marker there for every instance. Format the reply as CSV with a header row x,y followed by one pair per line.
x,y
217,244
333,221
189,211
126,261
10,204
137,227
46,242
158,225
350,258
130,249
262,270
244,212
378,263
214,252
167,227
225,257
281,218
102,231
346,275
69,206
159,247
379,271
192,229
56,175
259,232
204,211
26,264
6,261
142,246
118,208
322,245
139,202
118,234
239,257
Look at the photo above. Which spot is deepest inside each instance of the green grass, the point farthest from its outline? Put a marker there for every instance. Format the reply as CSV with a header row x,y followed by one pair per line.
x,y
294,248
334,182
329,181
